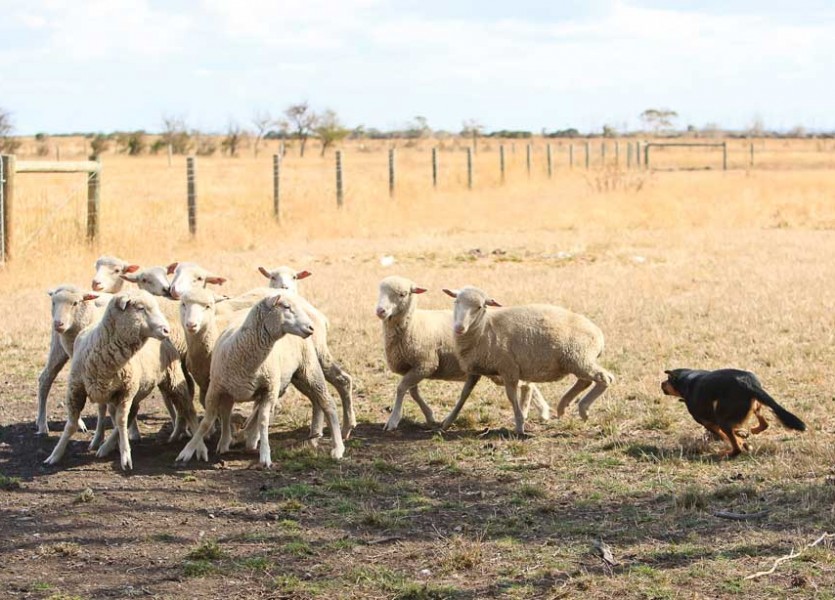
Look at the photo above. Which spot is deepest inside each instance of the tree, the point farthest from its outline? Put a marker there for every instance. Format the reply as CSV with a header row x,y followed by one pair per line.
x,y
302,120
609,131
235,136
659,119
132,143
418,128
329,130
261,121
175,133
98,144
471,128
8,144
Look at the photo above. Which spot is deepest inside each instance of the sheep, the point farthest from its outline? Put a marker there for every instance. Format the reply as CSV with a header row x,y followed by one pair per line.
x,y
108,274
536,342
118,362
151,279
188,275
285,278
246,365
419,345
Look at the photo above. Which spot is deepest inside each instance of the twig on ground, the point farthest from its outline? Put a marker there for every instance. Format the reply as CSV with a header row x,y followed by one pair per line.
x,y
722,514
790,556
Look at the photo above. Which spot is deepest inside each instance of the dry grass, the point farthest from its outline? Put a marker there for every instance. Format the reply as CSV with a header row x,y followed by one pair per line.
x,y
699,269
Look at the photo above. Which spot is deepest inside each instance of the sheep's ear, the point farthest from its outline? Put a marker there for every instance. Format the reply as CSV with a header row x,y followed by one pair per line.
x,y
131,278
171,268
215,280
50,292
220,298
89,296
303,274
131,268
276,300
418,290
122,302
264,272
491,302
451,293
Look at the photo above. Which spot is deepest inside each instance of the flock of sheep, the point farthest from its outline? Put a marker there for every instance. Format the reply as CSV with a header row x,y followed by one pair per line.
x,y
177,335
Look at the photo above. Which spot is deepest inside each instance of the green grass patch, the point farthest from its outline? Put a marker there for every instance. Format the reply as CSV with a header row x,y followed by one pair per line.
x,y
208,550
198,568
9,483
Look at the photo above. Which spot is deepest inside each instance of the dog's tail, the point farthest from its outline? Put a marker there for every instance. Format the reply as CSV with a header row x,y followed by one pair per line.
x,y
786,418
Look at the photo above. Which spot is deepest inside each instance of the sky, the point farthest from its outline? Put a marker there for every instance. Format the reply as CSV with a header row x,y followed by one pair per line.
x,y
107,65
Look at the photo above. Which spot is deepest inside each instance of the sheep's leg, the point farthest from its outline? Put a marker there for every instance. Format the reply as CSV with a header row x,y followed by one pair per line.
x,y
225,412
511,387
99,433
344,384
55,361
539,401
317,425
176,392
76,398
133,425
409,380
315,389
112,440
525,399
424,407
196,443
572,393
469,385
122,412
252,430
264,454
602,379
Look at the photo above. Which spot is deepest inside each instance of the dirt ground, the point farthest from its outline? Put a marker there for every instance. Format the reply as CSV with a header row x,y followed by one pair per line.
x,y
472,513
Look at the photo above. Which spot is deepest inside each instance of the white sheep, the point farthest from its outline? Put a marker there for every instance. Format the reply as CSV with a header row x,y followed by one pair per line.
x,y
188,275
109,271
536,342
419,345
120,361
153,280
285,278
246,366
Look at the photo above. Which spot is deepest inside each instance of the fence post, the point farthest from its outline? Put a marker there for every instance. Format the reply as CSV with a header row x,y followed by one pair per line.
x,y
617,153
6,204
629,155
646,155
276,186
391,172
548,158
501,161
57,152
752,154
528,158
588,155
93,204
434,167
724,156
469,168
638,154
602,154
339,191
192,196
571,156
170,152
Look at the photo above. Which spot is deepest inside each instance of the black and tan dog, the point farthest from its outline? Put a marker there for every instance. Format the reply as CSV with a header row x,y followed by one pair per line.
x,y
723,400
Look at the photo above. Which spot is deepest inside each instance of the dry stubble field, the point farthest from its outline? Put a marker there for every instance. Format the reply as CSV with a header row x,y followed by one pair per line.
x,y
699,269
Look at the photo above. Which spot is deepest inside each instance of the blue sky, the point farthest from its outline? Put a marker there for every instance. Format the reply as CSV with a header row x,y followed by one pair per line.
x,y
104,65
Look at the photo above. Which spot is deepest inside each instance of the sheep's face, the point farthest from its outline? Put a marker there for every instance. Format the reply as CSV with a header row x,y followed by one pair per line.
x,y
188,276
153,280
397,296
469,309
284,278
108,274
139,311
287,317
68,304
197,309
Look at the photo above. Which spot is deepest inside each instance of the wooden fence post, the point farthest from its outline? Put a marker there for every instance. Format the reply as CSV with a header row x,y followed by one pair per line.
x,y
548,158
646,155
501,161
638,153
752,154
617,153
629,155
6,204
57,152
391,172
571,156
434,168
528,158
192,196
469,168
339,191
170,152
588,155
724,156
276,186
93,204
602,154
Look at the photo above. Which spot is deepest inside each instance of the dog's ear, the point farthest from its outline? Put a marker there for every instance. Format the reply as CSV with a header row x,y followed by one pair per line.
x,y
668,372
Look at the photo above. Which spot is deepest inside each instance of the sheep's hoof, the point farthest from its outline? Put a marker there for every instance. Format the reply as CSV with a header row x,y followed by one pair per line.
x,y
127,463
185,455
338,453
52,460
391,424
82,427
41,429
